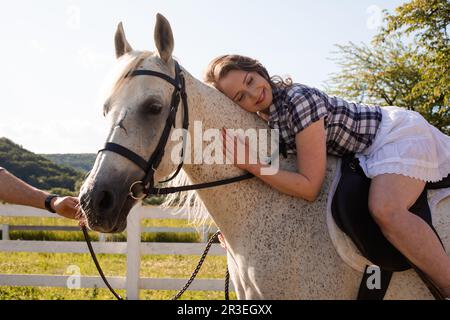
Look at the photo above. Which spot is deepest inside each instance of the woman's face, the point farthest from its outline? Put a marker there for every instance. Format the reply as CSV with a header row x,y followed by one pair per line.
x,y
248,89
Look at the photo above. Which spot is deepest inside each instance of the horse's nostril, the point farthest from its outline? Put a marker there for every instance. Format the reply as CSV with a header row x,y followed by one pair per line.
x,y
105,200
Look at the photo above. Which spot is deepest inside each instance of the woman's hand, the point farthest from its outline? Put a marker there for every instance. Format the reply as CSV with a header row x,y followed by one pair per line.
x,y
68,207
231,145
263,116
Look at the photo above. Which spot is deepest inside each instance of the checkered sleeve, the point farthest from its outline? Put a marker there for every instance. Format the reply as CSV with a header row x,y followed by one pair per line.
x,y
306,107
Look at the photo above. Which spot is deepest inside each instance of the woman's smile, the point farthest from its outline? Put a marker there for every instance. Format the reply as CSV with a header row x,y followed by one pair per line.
x,y
262,97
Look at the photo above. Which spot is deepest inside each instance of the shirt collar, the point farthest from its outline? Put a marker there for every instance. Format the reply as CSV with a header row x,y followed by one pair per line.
x,y
273,109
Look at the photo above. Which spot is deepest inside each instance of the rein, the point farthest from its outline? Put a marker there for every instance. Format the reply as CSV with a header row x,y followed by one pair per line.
x,y
186,286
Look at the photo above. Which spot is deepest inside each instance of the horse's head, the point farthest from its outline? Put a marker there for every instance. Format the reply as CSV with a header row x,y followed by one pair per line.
x,y
138,109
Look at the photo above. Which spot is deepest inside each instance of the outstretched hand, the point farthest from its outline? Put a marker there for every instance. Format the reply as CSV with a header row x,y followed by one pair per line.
x,y
263,115
68,207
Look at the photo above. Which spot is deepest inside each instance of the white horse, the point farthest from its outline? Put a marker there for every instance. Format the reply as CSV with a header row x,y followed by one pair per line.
x,y
279,246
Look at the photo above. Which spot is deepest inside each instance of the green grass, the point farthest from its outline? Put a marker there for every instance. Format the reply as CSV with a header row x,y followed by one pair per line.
x,y
41,293
175,223
152,266
78,236
37,221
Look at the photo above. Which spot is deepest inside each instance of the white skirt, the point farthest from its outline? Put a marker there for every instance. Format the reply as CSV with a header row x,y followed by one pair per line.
x,y
407,144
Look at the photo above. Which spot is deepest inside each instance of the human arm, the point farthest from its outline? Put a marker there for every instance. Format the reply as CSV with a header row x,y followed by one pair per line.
x,y
311,163
15,191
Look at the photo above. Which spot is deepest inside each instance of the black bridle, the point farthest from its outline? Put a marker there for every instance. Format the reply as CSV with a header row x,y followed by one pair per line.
x,y
139,190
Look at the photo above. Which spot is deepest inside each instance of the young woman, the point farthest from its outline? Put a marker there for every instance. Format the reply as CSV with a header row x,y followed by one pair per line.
x,y
397,148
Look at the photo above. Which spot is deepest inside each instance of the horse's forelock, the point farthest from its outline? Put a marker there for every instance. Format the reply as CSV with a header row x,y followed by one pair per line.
x,y
117,75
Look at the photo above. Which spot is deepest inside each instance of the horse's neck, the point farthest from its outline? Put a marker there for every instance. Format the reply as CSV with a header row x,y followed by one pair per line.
x,y
215,111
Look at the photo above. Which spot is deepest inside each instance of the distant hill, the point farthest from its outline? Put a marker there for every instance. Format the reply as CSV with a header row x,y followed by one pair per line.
x,y
36,170
83,161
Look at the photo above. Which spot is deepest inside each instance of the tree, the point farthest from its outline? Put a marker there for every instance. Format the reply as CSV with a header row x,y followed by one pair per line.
x,y
381,75
407,64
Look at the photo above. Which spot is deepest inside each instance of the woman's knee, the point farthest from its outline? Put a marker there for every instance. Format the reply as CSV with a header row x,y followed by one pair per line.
x,y
384,213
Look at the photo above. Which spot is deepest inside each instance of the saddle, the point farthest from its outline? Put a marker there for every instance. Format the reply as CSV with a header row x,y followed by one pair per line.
x,y
351,214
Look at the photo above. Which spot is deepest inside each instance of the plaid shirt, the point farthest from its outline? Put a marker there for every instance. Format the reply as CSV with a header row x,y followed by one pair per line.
x,y
350,127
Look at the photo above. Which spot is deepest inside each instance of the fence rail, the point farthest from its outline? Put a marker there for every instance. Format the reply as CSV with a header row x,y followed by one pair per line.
x,y
133,248
6,229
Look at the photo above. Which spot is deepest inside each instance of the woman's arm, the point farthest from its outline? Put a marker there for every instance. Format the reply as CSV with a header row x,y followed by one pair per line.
x,y
311,165
291,183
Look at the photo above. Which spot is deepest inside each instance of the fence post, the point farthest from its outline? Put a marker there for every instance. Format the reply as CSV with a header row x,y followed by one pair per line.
x,y
133,253
101,237
5,232
204,234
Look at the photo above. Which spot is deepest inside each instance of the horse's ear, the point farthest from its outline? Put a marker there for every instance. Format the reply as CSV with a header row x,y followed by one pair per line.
x,y
121,43
163,38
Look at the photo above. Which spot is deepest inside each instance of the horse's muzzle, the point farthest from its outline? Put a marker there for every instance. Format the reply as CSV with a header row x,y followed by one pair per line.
x,y
106,211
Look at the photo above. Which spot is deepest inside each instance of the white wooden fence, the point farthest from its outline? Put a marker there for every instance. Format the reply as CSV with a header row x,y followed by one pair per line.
x,y
133,248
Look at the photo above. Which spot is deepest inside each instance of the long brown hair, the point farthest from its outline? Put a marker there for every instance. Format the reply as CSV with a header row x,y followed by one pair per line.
x,y
221,66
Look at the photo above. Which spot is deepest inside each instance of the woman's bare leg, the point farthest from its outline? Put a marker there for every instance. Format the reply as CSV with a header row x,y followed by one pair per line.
x,y
390,197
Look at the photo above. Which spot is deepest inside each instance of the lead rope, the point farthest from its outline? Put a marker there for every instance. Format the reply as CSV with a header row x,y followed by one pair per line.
x,y
197,269
227,285
99,269
186,286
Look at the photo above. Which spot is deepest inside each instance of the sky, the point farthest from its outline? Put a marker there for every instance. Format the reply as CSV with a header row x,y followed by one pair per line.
x,y
55,53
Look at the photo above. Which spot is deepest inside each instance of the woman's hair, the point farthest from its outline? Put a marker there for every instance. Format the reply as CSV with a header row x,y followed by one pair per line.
x,y
221,66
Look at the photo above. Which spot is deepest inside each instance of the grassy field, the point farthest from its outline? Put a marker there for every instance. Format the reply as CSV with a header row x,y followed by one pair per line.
x,y
154,266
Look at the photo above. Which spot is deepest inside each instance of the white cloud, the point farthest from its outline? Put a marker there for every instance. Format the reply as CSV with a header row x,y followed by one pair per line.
x,y
73,17
91,59
375,19
38,46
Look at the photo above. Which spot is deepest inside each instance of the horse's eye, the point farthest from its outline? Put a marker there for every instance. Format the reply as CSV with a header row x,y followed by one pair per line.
x,y
153,108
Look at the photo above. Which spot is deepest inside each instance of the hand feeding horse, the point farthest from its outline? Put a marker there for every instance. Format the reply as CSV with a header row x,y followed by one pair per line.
x,y
278,246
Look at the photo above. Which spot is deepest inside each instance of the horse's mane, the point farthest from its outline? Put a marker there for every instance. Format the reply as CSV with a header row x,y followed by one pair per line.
x,y
188,202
